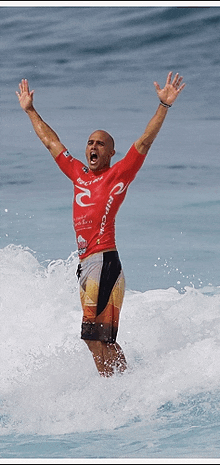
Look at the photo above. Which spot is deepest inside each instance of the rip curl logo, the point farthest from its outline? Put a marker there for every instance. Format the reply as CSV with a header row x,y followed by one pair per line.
x,y
85,193
82,245
121,188
85,169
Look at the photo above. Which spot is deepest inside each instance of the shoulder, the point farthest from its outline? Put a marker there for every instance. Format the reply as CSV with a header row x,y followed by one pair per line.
x,y
70,165
132,160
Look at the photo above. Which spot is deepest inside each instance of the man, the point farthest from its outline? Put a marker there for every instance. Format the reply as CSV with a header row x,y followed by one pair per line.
x,y
98,193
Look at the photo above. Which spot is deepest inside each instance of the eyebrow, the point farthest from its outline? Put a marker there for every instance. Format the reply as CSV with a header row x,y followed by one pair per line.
x,y
99,141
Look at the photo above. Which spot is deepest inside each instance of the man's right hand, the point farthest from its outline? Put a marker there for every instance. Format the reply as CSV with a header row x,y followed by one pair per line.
x,y
45,133
25,97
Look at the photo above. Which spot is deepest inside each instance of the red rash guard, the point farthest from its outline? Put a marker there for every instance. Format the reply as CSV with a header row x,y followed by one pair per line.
x,y
97,198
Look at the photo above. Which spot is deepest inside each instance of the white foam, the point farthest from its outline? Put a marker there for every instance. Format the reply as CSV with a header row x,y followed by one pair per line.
x,y
49,383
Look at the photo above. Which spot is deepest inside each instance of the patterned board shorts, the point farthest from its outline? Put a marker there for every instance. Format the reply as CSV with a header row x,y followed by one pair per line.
x,y
102,287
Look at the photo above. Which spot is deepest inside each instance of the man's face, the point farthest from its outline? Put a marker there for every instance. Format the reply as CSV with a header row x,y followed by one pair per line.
x,y
99,150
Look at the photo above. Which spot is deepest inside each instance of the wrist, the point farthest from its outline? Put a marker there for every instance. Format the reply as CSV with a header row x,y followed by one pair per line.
x,y
166,105
29,110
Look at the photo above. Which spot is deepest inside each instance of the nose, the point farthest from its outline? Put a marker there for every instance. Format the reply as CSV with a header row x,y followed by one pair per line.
x,y
94,145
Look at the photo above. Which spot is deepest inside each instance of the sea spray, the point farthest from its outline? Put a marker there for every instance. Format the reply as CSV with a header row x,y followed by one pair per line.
x,y
49,383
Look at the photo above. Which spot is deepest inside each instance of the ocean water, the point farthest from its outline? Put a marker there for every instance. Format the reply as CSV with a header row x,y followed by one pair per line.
x,y
93,67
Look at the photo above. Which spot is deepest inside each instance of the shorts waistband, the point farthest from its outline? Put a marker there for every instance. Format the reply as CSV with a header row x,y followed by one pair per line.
x,y
98,254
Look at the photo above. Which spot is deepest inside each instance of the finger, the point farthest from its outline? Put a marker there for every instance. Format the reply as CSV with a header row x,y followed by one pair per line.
x,y
175,79
169,76
156,85
179,81
26,87
22,85
181,87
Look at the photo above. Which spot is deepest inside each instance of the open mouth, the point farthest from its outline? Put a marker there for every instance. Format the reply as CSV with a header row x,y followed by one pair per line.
x,y
93,157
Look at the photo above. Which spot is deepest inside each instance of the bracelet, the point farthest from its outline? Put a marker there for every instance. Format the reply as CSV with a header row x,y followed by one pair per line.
x,y
165,104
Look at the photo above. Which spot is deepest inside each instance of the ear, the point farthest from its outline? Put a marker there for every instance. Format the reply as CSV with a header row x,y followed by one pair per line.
x,y
113,152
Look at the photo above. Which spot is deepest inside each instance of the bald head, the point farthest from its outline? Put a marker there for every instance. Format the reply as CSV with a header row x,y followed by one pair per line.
x,y
99,150
106,135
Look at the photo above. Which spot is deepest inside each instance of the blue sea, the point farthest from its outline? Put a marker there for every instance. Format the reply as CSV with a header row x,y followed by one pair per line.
x,y
93,67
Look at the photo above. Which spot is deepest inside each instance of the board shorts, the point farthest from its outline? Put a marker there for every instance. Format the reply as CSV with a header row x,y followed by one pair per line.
x,y
102,287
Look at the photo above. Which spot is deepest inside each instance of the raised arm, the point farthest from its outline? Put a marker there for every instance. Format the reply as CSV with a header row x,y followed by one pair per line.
x,y
167,96
49,138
